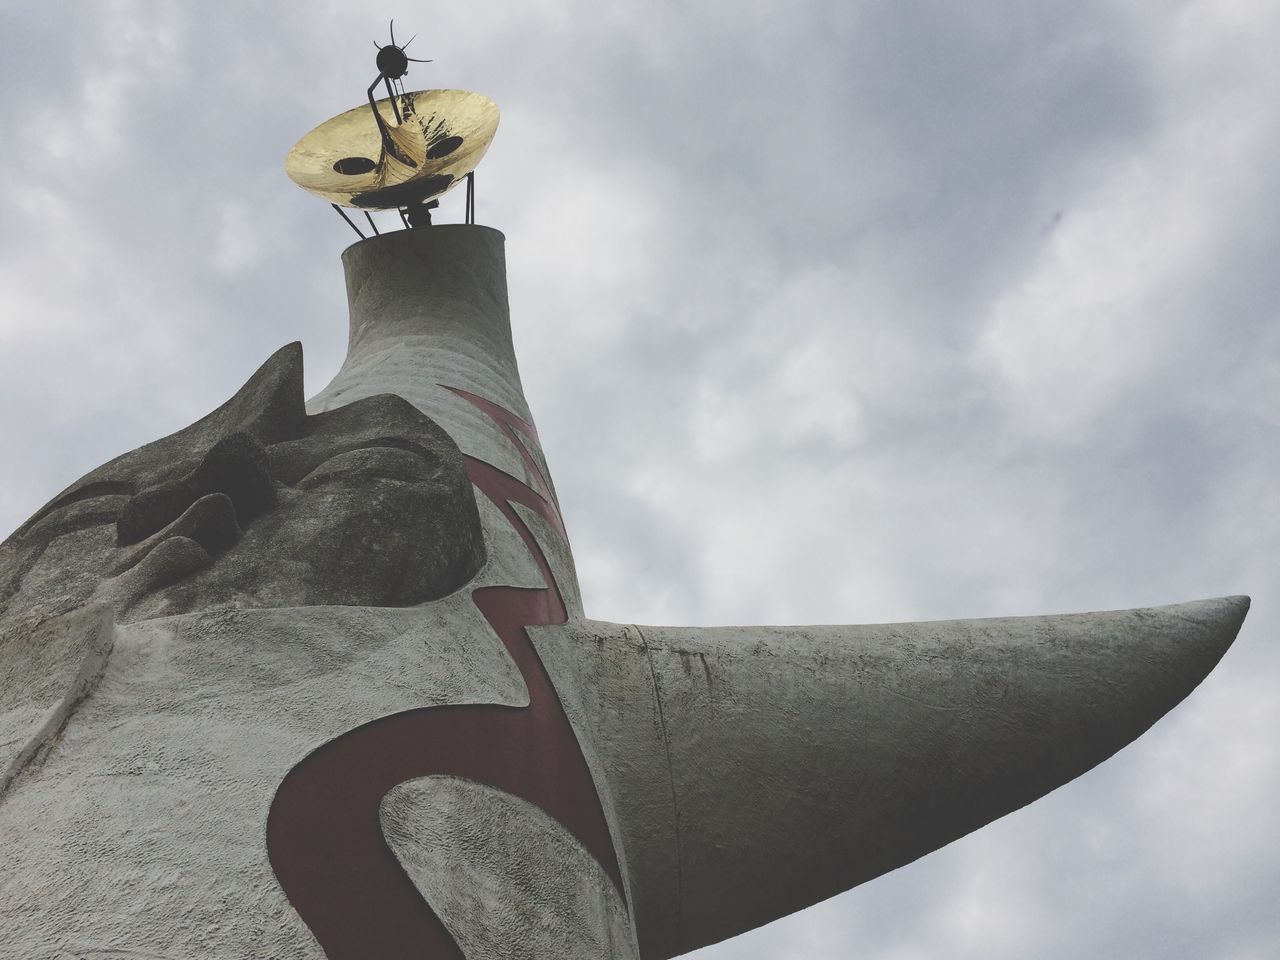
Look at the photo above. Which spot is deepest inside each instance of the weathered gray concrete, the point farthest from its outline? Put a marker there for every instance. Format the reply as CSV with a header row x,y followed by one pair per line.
x,y
511,855
844,752
184,626
428,312
259,504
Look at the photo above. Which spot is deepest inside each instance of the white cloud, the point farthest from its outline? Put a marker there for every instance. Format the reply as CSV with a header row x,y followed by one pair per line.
x,y
805,335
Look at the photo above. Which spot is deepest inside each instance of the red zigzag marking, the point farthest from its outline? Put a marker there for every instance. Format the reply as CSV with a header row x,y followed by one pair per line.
x,y
324,838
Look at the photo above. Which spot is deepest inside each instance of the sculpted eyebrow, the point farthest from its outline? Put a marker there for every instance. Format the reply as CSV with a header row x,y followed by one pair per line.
x,y
99,488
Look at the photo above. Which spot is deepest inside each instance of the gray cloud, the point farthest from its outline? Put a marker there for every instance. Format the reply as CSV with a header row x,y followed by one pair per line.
x,y
827,312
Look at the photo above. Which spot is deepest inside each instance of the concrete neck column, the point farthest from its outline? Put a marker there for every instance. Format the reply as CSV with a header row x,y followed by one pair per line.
x,y
430,323
428,308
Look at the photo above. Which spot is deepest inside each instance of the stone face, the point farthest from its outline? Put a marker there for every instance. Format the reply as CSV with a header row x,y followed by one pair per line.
x,y
258,505
313,680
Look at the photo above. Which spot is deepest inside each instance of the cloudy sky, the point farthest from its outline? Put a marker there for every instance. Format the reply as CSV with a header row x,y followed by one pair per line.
x,y
831,312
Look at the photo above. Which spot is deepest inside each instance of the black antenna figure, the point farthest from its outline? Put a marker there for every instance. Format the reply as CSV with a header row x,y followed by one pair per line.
x,y
393,63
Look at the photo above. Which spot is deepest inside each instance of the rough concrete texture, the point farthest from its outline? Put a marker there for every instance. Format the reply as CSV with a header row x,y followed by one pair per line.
x,y
143,824
844,752
259,504
516,861
192,624
46,669
429,316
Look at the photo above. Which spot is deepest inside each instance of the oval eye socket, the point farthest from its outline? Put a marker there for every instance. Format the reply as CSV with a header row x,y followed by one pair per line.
x,y
442,148
353,166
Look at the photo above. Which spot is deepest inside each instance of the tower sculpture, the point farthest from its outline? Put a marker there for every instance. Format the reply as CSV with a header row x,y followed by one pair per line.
x,y
312,678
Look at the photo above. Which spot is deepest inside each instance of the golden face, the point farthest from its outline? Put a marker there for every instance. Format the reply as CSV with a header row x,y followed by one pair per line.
x,y
441,136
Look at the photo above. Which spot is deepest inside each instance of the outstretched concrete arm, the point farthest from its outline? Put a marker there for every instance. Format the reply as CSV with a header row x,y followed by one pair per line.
x,y
774,767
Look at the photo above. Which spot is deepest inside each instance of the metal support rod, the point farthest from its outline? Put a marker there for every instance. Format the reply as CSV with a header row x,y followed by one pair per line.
x,y
404,219
391,95
372,224
351,224
471,197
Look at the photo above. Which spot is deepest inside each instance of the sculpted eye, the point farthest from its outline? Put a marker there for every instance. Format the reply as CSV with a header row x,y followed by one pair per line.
x,y
94,503
294,461
364,464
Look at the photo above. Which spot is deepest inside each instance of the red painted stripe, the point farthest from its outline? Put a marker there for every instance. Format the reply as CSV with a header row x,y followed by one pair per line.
x,y
510,424
324,838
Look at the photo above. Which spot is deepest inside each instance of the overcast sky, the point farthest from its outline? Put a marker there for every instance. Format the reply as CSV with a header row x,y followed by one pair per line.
x,y
830,312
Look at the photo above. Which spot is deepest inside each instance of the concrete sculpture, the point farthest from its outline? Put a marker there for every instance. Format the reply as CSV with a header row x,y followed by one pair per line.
x,y
313,680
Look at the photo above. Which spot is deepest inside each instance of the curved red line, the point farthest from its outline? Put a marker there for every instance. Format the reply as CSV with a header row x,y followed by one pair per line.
x,y
509,423
324,837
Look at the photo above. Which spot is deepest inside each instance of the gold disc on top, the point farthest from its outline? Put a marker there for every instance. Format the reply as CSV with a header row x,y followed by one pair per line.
x,y
439,139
